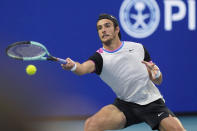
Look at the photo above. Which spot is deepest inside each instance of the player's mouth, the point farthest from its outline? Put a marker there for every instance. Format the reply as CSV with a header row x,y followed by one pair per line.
x,y
104,36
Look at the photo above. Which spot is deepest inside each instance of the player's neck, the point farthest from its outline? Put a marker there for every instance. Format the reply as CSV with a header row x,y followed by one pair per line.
x,y
115,44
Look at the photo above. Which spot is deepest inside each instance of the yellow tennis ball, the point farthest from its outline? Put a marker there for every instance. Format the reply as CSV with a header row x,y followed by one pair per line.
x,y
31,69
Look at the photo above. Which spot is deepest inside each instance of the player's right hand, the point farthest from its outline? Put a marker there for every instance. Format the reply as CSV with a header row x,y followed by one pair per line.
x,y
69,65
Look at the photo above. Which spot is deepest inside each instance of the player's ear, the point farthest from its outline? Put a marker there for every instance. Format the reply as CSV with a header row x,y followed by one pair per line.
x,y
117,29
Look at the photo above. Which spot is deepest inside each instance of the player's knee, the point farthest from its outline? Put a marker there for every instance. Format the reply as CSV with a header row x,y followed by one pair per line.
x,y
87,122
176,128
91,123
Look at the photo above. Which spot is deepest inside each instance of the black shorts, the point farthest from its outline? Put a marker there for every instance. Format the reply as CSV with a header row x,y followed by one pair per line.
x,y
151,113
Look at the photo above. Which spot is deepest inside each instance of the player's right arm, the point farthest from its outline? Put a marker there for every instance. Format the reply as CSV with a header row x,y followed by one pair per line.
x,y
79,69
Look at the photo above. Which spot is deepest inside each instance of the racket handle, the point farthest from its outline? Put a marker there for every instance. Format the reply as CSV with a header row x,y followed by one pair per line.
x,y
61,61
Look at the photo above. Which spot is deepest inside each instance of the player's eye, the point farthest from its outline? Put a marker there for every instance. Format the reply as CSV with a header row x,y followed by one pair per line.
x,y
107,25
99,27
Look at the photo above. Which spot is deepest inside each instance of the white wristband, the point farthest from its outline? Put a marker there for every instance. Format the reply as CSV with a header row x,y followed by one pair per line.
x,y
158,74
74,67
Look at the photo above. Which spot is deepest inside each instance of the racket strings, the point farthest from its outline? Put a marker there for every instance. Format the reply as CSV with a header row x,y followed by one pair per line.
x,y
26,50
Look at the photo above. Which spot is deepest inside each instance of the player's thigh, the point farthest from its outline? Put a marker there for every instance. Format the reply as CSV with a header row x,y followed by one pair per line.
x,y
109,117
171,124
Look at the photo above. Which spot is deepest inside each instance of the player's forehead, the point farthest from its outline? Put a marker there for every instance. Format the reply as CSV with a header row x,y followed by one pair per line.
x,y
103,22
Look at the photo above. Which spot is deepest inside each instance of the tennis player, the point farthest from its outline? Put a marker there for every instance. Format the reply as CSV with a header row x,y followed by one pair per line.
x,y
128,69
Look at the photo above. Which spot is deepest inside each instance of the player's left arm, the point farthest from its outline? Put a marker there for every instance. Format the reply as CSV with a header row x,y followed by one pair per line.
x,y
154,72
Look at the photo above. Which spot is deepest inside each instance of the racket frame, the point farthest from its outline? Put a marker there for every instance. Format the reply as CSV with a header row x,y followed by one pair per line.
x,y
40,57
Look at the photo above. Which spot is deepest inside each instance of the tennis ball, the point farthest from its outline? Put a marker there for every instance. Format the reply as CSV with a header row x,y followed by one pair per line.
x,y
31,69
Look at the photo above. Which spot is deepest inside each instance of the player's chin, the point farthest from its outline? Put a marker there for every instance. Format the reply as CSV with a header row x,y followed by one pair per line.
x,y
106,40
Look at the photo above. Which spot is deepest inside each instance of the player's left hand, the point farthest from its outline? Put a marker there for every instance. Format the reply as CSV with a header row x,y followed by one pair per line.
x,y
152,69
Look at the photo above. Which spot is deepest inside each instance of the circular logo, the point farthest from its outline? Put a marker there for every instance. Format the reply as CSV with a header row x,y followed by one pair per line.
x,y
139,18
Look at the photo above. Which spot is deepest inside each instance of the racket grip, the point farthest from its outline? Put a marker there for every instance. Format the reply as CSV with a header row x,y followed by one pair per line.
x,y
61,61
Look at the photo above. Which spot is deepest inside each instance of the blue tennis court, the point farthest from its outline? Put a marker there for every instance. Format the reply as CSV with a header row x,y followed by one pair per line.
x,y
189,122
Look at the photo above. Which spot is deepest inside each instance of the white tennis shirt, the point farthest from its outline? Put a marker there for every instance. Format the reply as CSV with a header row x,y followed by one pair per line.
x,y
123,70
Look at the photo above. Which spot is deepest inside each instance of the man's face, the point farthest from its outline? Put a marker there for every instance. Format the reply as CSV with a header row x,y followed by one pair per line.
x,y
106,30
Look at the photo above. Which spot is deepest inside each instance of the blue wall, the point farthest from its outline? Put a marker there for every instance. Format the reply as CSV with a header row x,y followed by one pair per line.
x,y
68,29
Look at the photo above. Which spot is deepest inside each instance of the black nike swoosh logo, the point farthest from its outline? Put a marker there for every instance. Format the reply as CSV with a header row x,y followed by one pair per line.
x,y
131,50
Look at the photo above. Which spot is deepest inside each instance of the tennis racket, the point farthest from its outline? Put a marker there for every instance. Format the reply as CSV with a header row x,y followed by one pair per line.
x,y
31,51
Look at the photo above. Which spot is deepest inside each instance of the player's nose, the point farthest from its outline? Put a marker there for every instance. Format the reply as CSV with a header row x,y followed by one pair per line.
x,y
103,30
